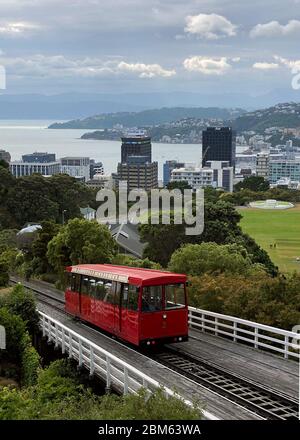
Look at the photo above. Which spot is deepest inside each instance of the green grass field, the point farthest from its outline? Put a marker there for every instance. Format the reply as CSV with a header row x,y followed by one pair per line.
x,y
282,228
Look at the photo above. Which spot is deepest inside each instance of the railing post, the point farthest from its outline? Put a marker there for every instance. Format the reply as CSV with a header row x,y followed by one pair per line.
x,y
92,363
56,336
234,331
255,337
216,326
286,347
63,341
108,375
70,346
43,325
202,322
49,330
125,381
80,352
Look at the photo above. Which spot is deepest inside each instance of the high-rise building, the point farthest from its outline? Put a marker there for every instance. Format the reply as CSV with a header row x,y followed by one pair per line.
x,y
136,144
4,155
222,174
96,168
262,165
279,169
168,167
219,144
78,167
136,166
138,173
39,157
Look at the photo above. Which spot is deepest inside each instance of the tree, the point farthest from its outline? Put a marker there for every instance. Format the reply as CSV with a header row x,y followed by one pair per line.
x,y
127,260
20,302
29,201
256,297
36,198
70,195
40,264
162,241
8,239
178,185
254,183
4,164
81,241
7,182
4,276
221,225
197,259
59,395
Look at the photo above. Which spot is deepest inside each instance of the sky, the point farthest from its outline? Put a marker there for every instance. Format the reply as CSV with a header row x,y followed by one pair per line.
x,y
121,46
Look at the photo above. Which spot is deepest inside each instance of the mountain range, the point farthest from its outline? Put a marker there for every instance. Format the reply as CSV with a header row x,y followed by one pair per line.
x,y
76,105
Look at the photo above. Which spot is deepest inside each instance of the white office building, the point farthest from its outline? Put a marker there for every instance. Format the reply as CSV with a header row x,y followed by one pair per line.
x,y
78,167
195,177
20,168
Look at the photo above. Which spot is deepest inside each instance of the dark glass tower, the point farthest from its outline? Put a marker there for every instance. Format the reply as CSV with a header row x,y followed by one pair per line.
x,y
218,144
136,146
136,166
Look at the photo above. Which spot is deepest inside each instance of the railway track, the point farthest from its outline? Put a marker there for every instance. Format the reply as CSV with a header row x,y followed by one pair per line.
x,y
42,296
263,401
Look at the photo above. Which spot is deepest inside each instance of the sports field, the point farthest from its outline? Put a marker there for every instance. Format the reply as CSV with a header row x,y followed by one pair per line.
x,y
278,232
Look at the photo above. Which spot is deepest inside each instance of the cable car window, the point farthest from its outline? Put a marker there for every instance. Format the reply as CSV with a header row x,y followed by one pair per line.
x,y
109,293
117,288
174,296
125,296
92,288
68,280
152,299
100,290
133,298
85,286
77,282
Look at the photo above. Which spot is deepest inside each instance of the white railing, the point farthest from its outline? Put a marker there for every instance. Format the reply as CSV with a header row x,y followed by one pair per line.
x,y
251,333
116,373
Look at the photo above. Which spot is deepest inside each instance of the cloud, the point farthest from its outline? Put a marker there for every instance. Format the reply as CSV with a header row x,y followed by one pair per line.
x,y
275,29
209,26
265,66
294,65
146,70
12,29
60,66
207,66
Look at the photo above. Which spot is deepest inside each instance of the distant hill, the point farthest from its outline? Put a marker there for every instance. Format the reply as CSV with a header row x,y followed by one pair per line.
x,y
150,117
281,115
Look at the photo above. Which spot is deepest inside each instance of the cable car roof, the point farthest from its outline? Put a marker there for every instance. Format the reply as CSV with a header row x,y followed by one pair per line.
x,y
124,274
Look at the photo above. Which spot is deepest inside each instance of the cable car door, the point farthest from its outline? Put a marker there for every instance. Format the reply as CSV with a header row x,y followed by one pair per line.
x,y
117,289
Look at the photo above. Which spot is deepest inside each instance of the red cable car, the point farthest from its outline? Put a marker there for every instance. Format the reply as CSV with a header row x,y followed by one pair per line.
x,y
141,306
